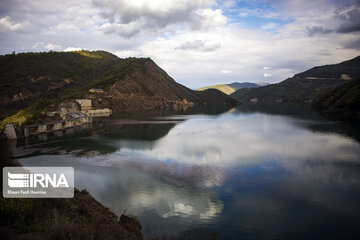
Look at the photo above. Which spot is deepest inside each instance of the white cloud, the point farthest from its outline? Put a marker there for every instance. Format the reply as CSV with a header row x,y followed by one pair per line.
x,y
47,46
289,51
226,71
269,26
129,18
267,68
38,44
206,46
51,46
211,18
128,53
71,49
228,3
6,24
267,75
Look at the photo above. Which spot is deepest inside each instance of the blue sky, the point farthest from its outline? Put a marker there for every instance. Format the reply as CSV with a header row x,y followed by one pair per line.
x,y
198,42
252,14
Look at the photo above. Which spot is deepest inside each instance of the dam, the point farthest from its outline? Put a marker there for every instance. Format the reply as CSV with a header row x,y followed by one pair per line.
x,y
14,131
68,115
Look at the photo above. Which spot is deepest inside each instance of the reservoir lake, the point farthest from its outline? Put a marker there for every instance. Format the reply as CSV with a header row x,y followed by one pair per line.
x,y
251,172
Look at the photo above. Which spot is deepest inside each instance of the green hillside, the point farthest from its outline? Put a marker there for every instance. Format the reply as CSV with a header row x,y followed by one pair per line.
x,y
342,103
36,77
34,82
37,72
290,90
304,86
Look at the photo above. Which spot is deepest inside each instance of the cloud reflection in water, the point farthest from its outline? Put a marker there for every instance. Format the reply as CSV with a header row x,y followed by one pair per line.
x,y
200,150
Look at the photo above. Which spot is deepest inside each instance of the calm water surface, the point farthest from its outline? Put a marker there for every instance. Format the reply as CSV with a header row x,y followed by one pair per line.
x,y
249,173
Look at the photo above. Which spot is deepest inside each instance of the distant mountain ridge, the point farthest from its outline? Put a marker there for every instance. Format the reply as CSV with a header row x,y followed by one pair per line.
x,y
238,85
263,83
232,87
305,86
131,84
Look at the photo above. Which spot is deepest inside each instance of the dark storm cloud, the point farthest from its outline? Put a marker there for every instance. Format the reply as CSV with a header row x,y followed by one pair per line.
x,y
311,31
6,6
352,23
355,44
347,22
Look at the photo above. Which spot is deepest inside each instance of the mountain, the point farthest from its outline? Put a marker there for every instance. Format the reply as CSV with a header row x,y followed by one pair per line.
x,y
342,102
304,86
232,87
263,83
31,82
221,87
237,85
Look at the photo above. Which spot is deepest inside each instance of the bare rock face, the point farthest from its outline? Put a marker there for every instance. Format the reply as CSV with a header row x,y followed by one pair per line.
x,y
149,87
18,97
151,81
36,79
60,84
23,95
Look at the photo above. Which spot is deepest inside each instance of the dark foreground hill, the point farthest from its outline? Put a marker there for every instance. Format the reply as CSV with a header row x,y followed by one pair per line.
x,y
304,86
36,80
341,103
80,217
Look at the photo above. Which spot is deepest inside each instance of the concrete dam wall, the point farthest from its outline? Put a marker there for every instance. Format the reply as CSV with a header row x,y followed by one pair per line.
x,y
14,131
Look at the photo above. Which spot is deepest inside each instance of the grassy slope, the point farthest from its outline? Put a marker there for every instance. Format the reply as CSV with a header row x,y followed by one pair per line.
x,y
350,67
343,102
37,71
221,87
300,88
43,78
290,90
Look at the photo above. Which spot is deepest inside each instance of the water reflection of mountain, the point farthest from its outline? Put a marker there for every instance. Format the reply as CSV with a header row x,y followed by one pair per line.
x,y
86,138
302,110
306,117
145,132
209,110
99,139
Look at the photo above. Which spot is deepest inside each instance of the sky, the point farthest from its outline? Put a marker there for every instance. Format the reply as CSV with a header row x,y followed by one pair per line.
x,y
197,42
